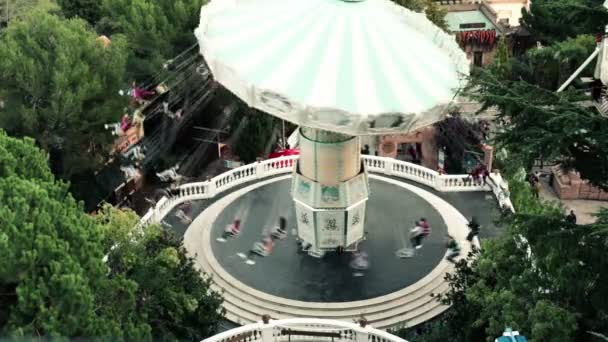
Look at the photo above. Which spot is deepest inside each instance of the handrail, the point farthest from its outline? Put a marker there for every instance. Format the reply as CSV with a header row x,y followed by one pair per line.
x,y
273,331
271,167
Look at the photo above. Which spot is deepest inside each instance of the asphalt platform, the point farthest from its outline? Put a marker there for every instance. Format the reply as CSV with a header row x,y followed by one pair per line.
x,y
391,212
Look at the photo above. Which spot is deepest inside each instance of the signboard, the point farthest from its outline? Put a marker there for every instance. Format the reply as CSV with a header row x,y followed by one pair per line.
x,y
330,229
306,226
303,189
356,224
330,196
441,159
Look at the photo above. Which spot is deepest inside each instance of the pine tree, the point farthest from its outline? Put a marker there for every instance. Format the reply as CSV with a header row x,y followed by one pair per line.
x,y
60,86
541,124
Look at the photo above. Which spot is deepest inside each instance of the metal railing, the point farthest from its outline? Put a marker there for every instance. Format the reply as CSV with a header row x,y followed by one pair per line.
x,y
305,329
272,167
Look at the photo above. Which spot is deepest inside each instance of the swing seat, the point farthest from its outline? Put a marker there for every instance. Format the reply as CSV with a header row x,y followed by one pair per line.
x,y
360,265
183,217
405,253
161,88
316,253
279,234
230,232
259,249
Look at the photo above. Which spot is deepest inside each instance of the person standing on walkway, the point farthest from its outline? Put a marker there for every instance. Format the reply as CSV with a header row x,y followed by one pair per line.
x,y
536,187
571,218
474,228
453,249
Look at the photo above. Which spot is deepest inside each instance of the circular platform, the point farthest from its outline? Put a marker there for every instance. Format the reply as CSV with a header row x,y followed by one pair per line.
x,y
289,274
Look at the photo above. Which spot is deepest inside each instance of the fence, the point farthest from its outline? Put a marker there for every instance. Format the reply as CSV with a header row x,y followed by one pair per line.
x,y
272,167
305,329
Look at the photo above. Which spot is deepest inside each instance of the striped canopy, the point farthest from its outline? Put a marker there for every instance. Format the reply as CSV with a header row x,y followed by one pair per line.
x,y
354,67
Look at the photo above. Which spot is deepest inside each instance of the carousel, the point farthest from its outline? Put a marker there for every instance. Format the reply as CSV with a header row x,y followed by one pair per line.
x,y
340,69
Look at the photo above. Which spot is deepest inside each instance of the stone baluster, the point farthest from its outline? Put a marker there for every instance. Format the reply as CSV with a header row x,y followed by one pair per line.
x,y
267,329
362,333
259,170
211,186
439,183
388,167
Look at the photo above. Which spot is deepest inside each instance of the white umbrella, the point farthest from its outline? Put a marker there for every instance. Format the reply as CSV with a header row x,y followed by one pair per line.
x,y
354,67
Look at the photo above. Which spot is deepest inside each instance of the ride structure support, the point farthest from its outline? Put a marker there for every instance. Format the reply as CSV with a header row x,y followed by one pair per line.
x,y
330,189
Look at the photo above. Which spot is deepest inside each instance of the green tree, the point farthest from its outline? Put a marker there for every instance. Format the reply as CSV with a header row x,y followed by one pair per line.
x,y
51,272
434,12
60,86
556,20
55,281
541,124
456,135
17,9
548,286
550,66
255,136
156,30
501,63
89,10
171,293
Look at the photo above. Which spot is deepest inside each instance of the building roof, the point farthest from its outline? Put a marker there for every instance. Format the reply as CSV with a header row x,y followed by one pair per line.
x,y
456,19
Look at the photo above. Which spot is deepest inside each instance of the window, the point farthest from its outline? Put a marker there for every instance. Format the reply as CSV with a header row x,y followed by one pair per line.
x,y
478,58
473,26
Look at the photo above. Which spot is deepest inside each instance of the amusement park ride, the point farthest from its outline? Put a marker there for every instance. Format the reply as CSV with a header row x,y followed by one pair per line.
x,y
339,69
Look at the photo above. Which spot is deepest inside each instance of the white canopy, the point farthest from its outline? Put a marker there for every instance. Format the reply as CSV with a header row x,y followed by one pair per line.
x,y
355,67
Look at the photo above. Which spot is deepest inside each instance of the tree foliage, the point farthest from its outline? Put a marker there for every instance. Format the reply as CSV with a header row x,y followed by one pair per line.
x,y
60,86
255,136
171,294
541,124
51,272
548,286
155,29
55,282
555,20
89,10
17,9
550,66
456,136
433,11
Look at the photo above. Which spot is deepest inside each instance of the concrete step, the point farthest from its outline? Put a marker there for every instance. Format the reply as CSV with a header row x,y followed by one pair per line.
x,y
411,318
388,299
422,315
241,295
412,306
372,313
242,306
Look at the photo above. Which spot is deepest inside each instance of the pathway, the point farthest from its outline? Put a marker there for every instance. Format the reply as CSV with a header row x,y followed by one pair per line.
x,y
584,209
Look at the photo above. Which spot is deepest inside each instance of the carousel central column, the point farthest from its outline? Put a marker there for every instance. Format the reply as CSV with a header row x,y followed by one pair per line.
x,y
330,190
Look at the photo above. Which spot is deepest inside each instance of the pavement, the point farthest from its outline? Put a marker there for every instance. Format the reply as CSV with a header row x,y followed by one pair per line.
x,y
298,276
583,209
289,274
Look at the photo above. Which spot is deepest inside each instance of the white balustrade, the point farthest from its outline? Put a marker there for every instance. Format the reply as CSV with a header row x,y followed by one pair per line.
x,y
283,165
304,329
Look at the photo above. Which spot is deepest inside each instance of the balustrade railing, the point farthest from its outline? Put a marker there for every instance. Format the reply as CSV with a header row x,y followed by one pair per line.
x,y
272,167
304,329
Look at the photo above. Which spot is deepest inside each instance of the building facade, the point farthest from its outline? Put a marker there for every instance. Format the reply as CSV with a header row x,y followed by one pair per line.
x,y
477,31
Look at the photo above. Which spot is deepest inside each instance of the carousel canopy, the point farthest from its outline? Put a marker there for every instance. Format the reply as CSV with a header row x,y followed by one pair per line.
x,y
354,67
